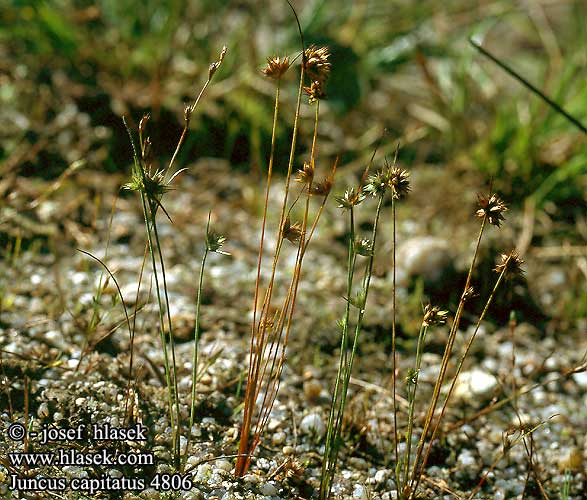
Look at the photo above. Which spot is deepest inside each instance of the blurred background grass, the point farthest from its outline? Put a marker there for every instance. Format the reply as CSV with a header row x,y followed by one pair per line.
x,y
71,68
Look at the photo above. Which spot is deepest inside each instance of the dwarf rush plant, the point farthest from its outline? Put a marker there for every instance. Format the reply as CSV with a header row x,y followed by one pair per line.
x,y
271,325
377,186
152,184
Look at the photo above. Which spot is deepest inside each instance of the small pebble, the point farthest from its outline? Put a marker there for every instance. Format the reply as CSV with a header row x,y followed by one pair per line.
x,y
268,489
312,424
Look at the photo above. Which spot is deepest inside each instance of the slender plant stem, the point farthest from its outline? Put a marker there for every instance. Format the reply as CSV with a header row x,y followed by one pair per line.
x,y
412,389
458,370
393,337
326,477
444,364
349,364
197,335
258,336
171,336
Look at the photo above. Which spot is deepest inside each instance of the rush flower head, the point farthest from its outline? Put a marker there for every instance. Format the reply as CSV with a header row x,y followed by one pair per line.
x,y
276,67
350,198
364,247
306,173
214,242
377,183
434,316
316,63
511,265
469,293
491,207
399,180
315,91
323,187
292,232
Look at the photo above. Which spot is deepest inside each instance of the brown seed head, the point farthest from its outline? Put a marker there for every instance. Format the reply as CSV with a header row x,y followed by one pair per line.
x,y
434,316
316,63
323,187
511,265
315,91
276,67
491,207
291,232
399,180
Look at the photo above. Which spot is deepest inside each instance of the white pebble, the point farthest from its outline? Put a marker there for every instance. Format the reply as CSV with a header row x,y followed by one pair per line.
x,y
312,424
359,493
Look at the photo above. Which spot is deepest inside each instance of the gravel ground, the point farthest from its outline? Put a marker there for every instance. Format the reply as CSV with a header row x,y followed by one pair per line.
x,y
56,375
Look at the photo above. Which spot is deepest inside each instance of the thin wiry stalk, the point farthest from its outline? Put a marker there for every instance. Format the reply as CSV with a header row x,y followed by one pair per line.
x,y
327,480
458,371
393,338
190,109
197,334
258,340
444,366
170,327
412,384
146,215
289,304
327,462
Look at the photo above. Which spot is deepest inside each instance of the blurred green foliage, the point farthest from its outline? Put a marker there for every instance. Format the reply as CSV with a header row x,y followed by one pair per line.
x,y
71,68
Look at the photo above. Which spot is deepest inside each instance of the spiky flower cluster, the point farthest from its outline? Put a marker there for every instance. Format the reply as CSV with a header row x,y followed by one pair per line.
x,y
316,64
306,174
389,177
350,198
323,187
215,242
364,247
511,265
315,91
491,207
151,183
317,68
434,316
292,232
276,67
399,181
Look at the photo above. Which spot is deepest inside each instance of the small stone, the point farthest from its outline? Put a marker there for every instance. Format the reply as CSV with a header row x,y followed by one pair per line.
x,y
312,424
580,379
224,465
359,492
278,438
474,385
80,401
252,479
268,489
288,450
466,459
